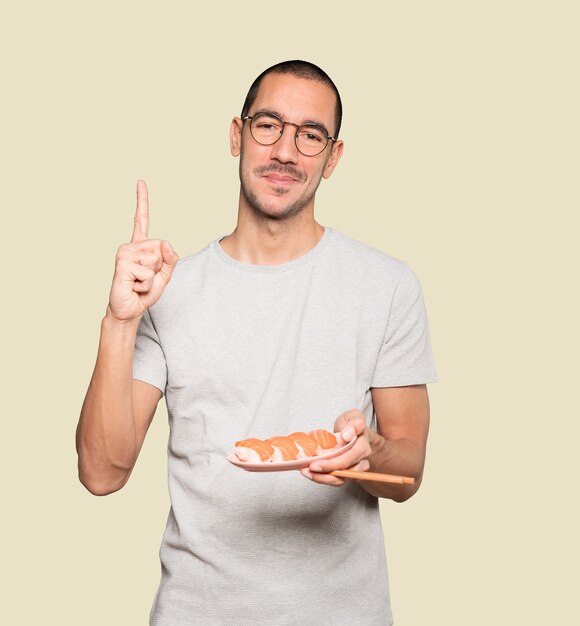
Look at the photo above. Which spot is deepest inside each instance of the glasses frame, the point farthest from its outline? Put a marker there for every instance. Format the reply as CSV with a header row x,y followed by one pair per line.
x,y
284,124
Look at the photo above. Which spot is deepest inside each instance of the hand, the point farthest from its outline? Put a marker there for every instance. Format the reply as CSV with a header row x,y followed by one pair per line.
x,y
142,268
348,425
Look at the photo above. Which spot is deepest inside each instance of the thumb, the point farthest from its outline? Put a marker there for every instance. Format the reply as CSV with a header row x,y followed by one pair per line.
x,y
351,423
170,258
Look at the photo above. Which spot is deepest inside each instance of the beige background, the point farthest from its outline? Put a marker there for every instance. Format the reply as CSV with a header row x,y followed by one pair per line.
x,y
462,134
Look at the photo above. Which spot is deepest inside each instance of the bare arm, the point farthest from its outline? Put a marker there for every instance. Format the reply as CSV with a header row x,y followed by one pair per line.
x,y
398,447
118,410
116,413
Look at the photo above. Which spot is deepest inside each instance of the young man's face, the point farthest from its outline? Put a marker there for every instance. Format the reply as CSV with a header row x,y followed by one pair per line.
x,y
277,180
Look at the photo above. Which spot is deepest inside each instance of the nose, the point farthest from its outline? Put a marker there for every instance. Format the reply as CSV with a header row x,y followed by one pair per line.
x,y
285,150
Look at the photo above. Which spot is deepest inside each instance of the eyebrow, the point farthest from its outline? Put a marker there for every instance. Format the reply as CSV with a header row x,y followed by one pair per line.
x,y
304,123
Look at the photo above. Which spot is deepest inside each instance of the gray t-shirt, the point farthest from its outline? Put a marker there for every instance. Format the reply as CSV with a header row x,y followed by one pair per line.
x,y
243,351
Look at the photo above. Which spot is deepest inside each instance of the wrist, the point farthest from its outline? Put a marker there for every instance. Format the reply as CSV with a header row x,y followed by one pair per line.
x,y
380,453
376,441
120,325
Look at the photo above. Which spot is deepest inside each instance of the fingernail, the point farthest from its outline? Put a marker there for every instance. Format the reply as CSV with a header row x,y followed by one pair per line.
x,y
315,467
348,433
306,473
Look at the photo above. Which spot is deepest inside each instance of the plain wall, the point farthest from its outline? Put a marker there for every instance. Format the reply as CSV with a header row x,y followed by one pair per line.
x,y
461,157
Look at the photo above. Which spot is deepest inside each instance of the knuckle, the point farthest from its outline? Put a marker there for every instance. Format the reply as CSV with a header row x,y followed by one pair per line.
x,y
122,263
146,259
121,251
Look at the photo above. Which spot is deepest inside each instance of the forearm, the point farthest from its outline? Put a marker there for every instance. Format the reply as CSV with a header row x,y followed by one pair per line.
x,y
401,457
106,435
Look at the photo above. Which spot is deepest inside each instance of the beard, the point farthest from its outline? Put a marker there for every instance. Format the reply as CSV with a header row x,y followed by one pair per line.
x,y
273,210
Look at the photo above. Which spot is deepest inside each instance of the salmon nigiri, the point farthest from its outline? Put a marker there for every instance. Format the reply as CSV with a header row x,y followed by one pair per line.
x,y
254,450
325,440
284,449
307,446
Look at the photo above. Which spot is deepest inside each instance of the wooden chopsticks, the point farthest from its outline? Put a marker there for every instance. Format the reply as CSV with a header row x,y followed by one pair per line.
x,y
380,478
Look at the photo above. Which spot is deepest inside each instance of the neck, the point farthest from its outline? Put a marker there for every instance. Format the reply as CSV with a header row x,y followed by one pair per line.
x,y
262,240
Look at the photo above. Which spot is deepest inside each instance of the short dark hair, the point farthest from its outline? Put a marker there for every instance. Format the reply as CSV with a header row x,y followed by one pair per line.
x,y
301,69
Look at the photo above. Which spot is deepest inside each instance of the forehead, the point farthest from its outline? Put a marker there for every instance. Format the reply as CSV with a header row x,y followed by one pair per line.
x,y
296,99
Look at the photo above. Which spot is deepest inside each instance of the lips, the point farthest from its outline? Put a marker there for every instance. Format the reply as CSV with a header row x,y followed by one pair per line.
x,y
279,179
280,174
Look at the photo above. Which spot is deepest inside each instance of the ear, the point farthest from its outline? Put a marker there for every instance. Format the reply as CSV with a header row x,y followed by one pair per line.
x,y
334,158
236,136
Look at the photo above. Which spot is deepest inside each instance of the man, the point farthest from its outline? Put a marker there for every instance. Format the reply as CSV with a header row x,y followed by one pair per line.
x,y
283,325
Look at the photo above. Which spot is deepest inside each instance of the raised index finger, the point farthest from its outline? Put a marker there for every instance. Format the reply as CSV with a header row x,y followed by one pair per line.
x,y
141,224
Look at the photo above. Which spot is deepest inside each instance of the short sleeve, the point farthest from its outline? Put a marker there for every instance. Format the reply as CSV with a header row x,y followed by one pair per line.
x,y
405,356
148,360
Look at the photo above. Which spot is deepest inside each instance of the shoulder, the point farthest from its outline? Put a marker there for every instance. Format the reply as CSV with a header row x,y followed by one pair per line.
x,y
192,262
192,268
187,275
366,260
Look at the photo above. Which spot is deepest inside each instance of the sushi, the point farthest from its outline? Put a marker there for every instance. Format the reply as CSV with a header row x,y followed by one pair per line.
x,y
307,446
325,440
297,445
284,449
254,450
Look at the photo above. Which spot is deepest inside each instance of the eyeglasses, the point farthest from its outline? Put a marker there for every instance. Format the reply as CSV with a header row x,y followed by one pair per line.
x,y
267,128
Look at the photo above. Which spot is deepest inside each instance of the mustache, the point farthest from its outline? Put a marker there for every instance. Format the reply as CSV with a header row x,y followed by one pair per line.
x,y
288,170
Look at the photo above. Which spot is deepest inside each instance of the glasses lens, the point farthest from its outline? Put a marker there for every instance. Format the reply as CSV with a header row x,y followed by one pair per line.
x,y
311,140
266,129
